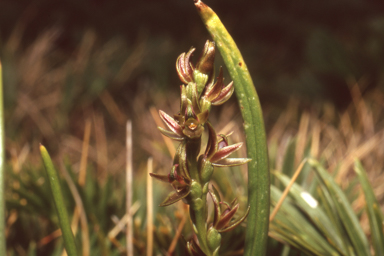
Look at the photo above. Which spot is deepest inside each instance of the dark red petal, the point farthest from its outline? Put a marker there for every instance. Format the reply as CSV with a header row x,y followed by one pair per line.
x,y
214,91
226,218
225,94
217,210
163,178
174,196
225,152
170,134
171,123
235,223
212,142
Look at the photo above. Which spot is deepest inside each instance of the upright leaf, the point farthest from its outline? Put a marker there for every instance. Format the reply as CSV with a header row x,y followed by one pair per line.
x,y
258,171
375,215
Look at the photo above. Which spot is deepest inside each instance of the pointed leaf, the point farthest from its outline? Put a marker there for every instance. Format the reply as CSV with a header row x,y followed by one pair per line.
x,y
373,208
344,209
170,134
171,123
228,162
225,152
174,196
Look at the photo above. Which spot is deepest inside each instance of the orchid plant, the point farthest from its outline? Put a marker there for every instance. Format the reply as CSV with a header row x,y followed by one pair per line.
x,y
191,173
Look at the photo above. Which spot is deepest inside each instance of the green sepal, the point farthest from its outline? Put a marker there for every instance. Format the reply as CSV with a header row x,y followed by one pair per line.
x,y
200,80
205,104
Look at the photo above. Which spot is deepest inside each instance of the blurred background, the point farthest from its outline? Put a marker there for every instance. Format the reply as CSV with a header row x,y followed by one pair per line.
x,y
70,64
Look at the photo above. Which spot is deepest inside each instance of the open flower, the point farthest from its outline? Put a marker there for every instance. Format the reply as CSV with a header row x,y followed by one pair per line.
x,y
217,151
222,220
217,93
180,183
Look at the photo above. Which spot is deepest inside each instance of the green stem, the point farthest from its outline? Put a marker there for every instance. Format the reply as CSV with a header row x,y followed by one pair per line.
x,y
258,170
197,198
200,224
2,170
69,240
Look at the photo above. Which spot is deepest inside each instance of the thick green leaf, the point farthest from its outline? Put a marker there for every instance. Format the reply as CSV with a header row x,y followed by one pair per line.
x,y
344,210
258,170
375,214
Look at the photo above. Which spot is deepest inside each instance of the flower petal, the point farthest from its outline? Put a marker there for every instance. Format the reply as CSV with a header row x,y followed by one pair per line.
x,y
174,196
203,117
225,152
226,218
235,223
217,210
225,94
212,142
213,91
161,177
171,123
170,134
227,162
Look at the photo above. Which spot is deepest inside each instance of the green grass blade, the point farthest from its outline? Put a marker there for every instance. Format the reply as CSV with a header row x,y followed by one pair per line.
x,y
258,171
2,169
296,229
315,212
69,240
373,208
344,210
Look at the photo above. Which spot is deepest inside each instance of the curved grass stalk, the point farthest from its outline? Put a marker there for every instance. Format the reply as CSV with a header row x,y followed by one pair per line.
x,y
69,240
258,170
2,170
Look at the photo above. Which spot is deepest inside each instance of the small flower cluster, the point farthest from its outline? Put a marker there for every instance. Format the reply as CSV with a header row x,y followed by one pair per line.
x,y
191,173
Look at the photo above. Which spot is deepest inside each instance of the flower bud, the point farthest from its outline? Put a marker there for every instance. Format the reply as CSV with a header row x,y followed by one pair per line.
x,y
205,67
206,61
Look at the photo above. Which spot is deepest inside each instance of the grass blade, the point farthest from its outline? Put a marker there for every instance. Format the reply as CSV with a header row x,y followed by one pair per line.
x,y
69,240
258,170
344,210
315,213
373,208
2,169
